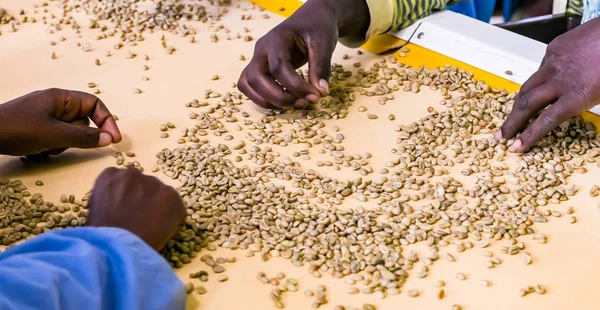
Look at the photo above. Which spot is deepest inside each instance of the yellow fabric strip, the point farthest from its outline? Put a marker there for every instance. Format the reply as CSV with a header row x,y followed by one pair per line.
x,y
575,7
382,13
407,12
394,15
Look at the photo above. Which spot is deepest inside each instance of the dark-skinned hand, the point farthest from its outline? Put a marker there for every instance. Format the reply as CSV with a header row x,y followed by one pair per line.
x,y
566,84
50,121
143,205
310,35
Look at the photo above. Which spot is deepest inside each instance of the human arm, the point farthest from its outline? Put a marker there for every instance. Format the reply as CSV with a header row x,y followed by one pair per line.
x,y
566,84
111,264
310,35
50,121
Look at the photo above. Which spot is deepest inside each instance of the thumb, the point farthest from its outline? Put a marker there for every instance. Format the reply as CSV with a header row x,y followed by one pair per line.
x,y
319,65
85,137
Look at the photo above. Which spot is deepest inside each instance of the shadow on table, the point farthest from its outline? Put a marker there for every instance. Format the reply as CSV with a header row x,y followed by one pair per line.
x,y
11,167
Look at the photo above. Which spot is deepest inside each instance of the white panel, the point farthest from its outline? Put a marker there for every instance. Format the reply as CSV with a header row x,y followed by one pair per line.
x,y
478,44
596,110
559,6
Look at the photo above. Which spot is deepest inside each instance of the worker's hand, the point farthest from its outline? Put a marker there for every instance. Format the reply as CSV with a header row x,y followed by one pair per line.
x,y
143,205
567,83
50,121
309,35
270,79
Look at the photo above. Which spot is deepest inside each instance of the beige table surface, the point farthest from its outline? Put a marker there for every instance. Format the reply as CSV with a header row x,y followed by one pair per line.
x,y
567,264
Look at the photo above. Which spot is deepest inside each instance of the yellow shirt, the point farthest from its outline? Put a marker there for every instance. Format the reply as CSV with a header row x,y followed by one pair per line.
x,y
393,15
575,7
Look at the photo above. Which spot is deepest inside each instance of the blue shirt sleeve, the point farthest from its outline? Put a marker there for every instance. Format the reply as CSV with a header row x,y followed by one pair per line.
x,y
87,268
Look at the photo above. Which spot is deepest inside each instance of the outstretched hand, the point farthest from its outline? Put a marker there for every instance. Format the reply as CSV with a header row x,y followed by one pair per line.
x,y
566,84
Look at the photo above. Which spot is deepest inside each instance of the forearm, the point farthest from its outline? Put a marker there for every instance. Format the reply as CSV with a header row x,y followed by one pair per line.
x,y
87,268
352,16
359,20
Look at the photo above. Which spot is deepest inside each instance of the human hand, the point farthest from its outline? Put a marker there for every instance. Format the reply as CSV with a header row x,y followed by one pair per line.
x,y
309,35
50,121
567,83
143,205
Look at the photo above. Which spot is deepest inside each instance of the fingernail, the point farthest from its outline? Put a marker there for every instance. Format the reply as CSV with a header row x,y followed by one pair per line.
x,y
515,146
498,135
324,86
312,97
105,139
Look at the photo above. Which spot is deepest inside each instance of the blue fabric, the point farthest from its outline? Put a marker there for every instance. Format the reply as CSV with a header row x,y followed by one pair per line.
x,y
485,9
482,10
508,7
87,268
464,8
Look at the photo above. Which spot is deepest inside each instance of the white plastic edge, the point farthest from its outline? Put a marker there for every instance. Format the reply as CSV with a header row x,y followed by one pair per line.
x,y
487,47
559,6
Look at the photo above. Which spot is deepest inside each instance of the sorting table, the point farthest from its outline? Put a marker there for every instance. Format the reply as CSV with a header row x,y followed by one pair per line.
x,y
565,265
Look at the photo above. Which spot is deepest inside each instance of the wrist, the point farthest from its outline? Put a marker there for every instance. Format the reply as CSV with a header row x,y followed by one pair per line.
x,y
352,16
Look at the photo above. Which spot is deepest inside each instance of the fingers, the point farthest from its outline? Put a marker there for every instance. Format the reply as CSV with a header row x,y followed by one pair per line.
x,y
121,175
96,110
537,79
270,90
271,81
544,124
82,122
527,104
252,94
319,64
543,61
283,71
108,173
262,88
73,105
67,135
